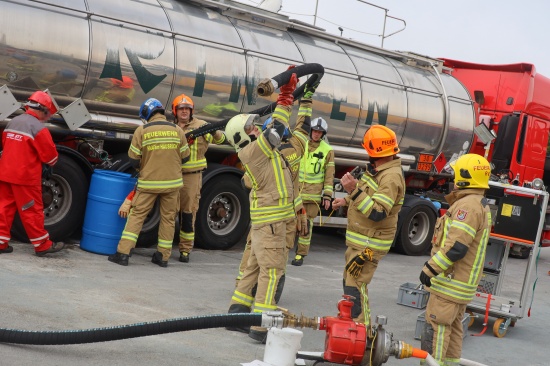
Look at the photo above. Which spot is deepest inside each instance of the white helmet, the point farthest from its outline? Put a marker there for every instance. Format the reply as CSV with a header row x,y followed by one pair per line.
x,y
319,124
236,128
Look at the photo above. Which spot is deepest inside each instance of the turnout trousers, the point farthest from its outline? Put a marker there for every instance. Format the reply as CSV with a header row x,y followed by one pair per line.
x,y
443,330
265,266
190,195
142,203
304,242
27,200
358,286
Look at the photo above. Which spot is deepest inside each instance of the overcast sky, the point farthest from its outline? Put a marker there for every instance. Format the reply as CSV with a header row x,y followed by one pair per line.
x,y
481,31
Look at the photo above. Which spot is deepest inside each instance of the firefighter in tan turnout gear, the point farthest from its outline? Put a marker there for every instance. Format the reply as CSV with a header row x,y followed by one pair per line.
x,y
271,206
158,149
190,193
292,148
458,253
373,203
316,181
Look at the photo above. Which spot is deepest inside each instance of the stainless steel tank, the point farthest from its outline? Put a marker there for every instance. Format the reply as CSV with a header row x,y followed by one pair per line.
x,y
115,54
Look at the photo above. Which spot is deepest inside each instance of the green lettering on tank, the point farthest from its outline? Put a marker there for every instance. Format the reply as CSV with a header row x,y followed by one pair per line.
x,y
112,69
382,113
235,89
336,113
200,79
250,90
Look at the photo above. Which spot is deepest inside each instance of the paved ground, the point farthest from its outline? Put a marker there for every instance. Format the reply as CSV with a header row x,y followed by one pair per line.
x,y
79,290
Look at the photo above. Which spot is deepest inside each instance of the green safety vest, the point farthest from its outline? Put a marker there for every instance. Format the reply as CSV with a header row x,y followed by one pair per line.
x,y
312,165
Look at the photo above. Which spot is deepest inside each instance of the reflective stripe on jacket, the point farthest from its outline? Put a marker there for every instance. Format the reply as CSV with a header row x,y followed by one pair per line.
x,y
468,223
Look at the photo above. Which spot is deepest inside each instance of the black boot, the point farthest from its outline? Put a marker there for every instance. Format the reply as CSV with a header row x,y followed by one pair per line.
x,y
238,309
298,260
119,258
157,259
258,333
56,247
184,257
6,250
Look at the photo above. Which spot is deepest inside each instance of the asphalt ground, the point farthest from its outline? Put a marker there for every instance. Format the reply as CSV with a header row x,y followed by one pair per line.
x,y
81,290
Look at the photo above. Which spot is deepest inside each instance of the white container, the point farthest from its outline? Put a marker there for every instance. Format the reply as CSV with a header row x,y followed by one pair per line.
x,y
281,346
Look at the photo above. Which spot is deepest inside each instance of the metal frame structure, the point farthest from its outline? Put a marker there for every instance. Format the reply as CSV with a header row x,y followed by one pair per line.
x,y
508,310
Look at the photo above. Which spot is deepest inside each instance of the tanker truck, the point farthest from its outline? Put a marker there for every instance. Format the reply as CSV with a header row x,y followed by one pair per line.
x,y
114,55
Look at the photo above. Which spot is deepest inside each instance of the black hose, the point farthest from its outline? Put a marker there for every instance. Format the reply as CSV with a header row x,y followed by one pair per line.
x,y
128,331
316,70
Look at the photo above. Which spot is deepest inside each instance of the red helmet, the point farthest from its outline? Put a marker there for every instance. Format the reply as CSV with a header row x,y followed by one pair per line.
x,y
40,98
125,83
182,100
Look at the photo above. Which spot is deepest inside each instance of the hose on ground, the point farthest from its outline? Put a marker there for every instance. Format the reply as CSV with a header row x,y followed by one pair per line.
x,y
315,70
128,331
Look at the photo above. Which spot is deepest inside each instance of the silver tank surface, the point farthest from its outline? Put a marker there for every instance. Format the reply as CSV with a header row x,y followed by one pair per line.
x,y
115,54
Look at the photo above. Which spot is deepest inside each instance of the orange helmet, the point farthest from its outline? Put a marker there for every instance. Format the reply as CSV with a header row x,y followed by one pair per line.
x,y
41,100
180,101
380,141
125,83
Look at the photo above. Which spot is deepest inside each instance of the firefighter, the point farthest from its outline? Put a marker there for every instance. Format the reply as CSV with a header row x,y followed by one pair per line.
x,y
292,149
158,149
190,193
29,152
316,181
271,206
373,203
456,264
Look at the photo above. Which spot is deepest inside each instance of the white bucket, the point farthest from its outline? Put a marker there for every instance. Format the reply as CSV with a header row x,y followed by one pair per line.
x,y
281,346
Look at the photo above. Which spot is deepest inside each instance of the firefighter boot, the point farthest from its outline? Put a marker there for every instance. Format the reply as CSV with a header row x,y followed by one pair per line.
x,y
56,247
119,258
258,333
298,260
184,257
238,309
157,259
6,250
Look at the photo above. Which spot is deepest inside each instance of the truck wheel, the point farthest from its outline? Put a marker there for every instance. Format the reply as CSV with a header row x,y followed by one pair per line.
x,y
64,196
224,214
416,232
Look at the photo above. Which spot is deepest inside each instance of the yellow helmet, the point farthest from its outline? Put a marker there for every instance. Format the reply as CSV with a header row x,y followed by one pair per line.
x,y
471,171
238,128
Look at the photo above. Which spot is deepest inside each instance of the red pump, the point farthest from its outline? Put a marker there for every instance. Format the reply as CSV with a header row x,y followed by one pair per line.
x,y
346,340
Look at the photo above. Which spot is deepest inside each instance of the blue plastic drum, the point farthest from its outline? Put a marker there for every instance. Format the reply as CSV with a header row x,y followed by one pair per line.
x,y
102,225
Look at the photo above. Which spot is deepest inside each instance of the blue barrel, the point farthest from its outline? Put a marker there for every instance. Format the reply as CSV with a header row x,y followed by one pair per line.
x,y
102,225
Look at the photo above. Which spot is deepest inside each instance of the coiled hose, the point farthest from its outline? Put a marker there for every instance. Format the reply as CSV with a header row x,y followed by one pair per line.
x,y
315,70
128,331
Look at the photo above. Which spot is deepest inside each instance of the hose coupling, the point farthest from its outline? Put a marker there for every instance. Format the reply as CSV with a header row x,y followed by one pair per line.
x,y
266,87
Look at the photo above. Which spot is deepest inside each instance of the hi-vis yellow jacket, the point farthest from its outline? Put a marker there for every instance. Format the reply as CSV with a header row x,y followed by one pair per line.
x,y
374,206
160,146
317,171
459,244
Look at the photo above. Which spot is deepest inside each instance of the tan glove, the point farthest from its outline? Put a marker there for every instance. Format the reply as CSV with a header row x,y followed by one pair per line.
x,y
302,225
125,208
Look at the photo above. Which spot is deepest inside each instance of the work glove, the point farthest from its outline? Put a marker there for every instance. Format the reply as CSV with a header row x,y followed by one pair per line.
x,y
47,171
425,279
286,97
190,140
309,90
427,273
302,224
125,208
355,265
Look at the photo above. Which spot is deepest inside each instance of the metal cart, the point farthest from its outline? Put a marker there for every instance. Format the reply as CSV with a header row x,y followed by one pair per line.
x,y
518,218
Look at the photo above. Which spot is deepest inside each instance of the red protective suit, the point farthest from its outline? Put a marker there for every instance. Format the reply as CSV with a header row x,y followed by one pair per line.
x,y
27,145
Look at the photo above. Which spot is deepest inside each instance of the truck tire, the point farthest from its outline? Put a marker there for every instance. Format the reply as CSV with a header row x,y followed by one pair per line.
x,y
416,231
64,196
224,213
